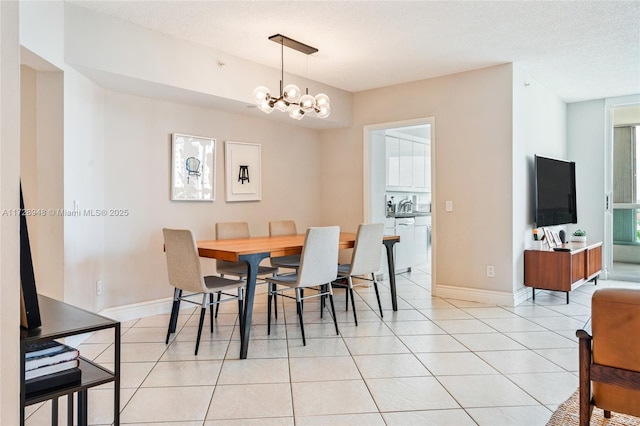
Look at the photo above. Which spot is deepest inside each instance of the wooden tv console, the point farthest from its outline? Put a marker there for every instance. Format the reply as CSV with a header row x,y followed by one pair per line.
x,y
562,270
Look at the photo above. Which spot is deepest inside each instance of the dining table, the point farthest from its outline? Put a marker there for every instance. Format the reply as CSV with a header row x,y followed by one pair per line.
x,y
253,250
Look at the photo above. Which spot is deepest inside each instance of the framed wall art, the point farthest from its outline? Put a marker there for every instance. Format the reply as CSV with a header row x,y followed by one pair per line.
x,y
243,171
193,160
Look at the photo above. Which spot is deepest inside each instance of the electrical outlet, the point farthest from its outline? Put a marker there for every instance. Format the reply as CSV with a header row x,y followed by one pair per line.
x,y
99,287
448,206
491,272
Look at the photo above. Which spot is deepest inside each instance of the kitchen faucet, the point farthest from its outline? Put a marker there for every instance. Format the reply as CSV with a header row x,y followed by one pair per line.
x,y
405,205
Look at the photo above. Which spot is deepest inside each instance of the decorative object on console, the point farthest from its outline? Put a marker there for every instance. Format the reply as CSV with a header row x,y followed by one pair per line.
x,y
193,160
290,98
563,236
579,236
242,171
29,307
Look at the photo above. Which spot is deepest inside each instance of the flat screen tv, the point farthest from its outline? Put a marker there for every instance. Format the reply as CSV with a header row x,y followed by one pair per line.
x,y
555,192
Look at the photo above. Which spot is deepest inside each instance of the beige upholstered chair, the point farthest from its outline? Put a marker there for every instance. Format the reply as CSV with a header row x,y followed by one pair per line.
x,y
365,261
318,267
609,352
284,227
185,274
230,230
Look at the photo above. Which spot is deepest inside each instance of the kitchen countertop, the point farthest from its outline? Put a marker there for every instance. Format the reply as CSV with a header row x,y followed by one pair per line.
x,y
409,214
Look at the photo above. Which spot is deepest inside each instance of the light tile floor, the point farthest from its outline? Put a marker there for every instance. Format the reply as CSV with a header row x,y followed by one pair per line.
x,y
433,362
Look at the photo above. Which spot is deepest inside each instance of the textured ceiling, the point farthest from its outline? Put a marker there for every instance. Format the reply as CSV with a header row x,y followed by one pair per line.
x,y
578,50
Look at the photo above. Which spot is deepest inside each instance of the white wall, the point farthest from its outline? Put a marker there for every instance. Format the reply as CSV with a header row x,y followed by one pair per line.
x,y
473,114
586,142
9,225
137,158
114,49
41,173
539,127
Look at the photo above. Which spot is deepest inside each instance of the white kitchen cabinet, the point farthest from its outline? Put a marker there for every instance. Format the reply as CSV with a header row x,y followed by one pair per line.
x,y
419,158
408,165
404,250
422,241
392,153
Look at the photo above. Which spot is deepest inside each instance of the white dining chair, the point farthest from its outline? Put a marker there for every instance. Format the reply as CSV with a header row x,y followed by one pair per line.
x,y
231,230
284,227
185,274
318,268
365,261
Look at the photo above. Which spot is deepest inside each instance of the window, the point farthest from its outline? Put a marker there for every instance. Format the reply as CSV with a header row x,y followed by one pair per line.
x,y
626,185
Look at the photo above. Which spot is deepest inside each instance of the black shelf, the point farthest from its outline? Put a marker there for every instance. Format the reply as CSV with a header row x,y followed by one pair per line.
x,y
61,320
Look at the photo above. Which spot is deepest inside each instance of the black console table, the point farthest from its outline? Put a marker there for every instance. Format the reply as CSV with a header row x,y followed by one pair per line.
x,y
61,320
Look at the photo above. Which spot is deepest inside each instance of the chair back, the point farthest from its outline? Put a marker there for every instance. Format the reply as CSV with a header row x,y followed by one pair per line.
x,y
367,250
183,262
615,318
229,230
282,227
319,258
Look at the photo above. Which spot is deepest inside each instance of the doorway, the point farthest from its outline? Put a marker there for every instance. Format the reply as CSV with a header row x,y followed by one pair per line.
x,y
623,209
399,190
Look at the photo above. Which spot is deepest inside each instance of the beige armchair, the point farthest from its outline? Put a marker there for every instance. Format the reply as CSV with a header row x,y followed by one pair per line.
x,y
610,354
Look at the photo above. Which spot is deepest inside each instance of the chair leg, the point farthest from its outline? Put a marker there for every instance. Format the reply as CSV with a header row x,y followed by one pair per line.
x,y
323,288
353,301
173,320
299,306
346,295
241,307
333,312
275,302
607,414
269,298
202,312
375,287
211,306
218,305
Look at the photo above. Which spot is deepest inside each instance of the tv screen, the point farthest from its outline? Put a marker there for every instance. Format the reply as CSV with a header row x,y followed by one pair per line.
x,y
555,192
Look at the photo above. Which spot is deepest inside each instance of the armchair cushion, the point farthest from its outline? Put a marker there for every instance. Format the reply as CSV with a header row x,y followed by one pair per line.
x,y
616,343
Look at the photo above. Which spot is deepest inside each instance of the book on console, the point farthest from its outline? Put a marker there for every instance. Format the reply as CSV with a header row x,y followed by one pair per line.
x,y
62,353
49,369
46,347
53,380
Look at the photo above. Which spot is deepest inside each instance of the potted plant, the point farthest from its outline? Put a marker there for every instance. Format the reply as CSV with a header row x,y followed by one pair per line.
x,y
579,236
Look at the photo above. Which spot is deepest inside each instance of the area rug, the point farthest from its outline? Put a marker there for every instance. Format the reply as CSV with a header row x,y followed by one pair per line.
x,y
568,414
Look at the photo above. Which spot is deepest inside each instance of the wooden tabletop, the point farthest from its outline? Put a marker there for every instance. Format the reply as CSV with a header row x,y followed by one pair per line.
x,y
284,245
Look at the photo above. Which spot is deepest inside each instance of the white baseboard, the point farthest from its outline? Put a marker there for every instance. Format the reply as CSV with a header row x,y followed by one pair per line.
x,y
141,310
490,297
149,308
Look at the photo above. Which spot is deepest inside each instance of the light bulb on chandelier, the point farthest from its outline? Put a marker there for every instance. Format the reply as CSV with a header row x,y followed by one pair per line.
x,y
291,100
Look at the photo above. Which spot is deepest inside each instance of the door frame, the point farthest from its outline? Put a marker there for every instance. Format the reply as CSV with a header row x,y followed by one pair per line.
x,y
610,105
366,133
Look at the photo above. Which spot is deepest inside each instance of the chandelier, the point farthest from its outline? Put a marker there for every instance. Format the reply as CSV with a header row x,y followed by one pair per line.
x,y
291,100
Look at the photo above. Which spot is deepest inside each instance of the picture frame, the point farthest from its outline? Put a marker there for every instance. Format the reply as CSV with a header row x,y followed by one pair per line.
x,y
548,237
193,160
243,171
556,239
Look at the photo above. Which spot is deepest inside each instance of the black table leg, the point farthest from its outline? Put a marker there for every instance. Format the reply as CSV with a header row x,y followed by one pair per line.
x,y
70,410
388,244
82,408
54,411
252,260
